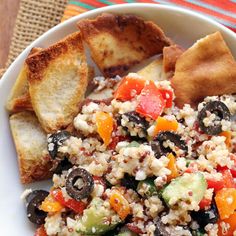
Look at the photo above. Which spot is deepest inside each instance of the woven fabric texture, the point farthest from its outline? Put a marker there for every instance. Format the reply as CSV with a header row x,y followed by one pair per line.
x,y
33,19
223,11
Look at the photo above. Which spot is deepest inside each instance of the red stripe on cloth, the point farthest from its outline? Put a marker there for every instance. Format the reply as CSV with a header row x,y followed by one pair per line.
x,y
93,3
147,1
204,10
223,4
119,1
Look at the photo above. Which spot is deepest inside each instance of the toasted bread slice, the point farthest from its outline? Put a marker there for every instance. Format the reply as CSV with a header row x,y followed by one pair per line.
x,y
58,78
153,71
103,94
118,42
206,69
170,56
19,99
31,146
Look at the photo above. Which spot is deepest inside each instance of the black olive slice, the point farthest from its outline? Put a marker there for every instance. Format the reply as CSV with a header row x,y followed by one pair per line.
x,y
34,199
156,147
55,141
220,110
79,184
157,143
65,164
135,122
204,217
129,182
160,229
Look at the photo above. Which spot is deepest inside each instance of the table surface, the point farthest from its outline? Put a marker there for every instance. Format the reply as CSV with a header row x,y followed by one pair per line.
x,y
8,12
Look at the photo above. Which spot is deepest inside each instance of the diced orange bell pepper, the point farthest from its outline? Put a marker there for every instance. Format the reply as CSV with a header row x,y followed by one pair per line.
x,y
40,231
172,167
104,122
230,224
129,88
50,205
226,202
119,204
162,124
228,136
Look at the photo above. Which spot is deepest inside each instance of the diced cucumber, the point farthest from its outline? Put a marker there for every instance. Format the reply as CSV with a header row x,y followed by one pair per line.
x,y
134,144
188,186
126,232
96,219
198,232
147,188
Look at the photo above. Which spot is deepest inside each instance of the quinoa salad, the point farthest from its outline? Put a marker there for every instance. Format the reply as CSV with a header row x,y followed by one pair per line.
x,y
138,165
149,152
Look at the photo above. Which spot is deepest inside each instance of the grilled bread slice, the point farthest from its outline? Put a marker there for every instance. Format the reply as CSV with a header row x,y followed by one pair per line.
x,y
31,146
153,71
118,42
58,78
19,99
170,56
208,68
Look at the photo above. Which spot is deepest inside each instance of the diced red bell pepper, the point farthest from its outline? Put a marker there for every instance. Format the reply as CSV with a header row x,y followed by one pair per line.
x,y
150,102
40,231
168,96
77,206
193,167
233,169
205,203
216,184
226,181
129,88
115,140
134,228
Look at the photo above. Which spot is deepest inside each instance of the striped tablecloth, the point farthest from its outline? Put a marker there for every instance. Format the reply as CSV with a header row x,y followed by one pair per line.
x,y
223,11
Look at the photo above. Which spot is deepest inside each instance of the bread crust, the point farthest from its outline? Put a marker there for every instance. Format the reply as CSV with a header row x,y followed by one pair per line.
x,y
31,146
170,56
19,98
118,42
58,78
205,69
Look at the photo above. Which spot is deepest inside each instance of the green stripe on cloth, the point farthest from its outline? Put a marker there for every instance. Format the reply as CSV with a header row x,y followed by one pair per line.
x,y
80,4
106,2
130,1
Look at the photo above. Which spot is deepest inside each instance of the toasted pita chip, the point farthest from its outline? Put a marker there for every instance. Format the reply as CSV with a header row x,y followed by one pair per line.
x,y
205,69
170,56
118,42
153,71
58,78
31,146
19,99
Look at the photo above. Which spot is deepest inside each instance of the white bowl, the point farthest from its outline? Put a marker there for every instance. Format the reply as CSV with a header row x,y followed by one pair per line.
x,y
183,26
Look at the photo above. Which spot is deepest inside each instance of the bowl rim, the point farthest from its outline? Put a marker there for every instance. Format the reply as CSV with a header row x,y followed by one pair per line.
x,y
108,8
